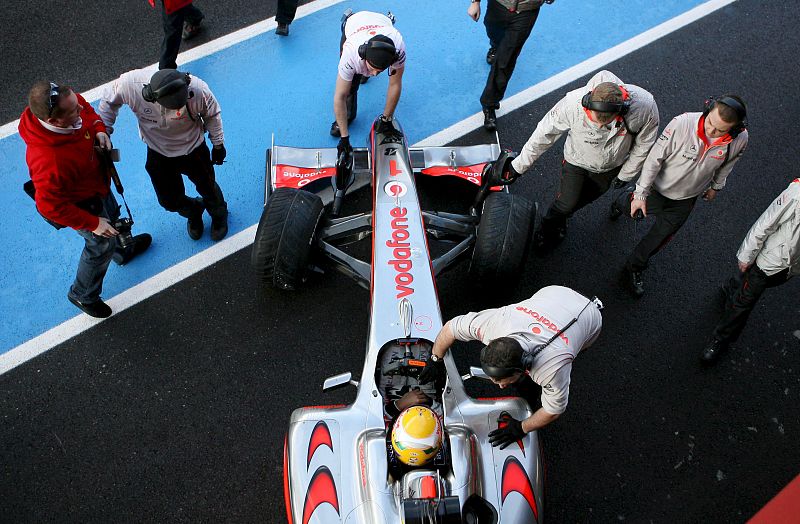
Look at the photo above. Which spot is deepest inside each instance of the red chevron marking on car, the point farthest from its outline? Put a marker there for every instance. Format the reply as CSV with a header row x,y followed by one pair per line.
x,y
320,436
321,489
515,479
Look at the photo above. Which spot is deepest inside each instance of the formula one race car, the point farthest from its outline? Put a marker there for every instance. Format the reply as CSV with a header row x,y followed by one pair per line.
x,y
337,464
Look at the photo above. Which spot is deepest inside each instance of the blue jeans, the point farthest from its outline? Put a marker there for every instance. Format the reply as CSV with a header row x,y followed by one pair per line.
x,y
95,258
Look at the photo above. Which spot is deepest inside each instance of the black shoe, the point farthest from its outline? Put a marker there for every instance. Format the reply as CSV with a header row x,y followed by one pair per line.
x,y
615,212
191,30
97,309
489,120
635,283
335,130
219,227
282,30
713,350
491,55
194,224
139,244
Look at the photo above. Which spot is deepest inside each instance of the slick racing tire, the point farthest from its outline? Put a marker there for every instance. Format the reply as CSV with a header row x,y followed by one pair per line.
x,y
503,240
285,237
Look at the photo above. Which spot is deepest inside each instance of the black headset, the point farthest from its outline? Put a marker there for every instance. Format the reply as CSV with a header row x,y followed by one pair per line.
x,y
151,95
525,362
736,105
377,44
619,108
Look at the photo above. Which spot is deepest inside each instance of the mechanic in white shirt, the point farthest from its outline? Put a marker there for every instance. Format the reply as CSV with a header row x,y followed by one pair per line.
x,y
174,111
693,156
369,45
536,339
768,257
610,128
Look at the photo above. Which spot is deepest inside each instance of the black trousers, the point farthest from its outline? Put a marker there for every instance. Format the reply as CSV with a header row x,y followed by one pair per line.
x,y
286,11
742,293
507,34
578,188
166,174
670,216
173,28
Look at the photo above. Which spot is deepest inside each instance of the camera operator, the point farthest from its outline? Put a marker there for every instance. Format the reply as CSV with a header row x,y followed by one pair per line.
x,y
71,187
174,111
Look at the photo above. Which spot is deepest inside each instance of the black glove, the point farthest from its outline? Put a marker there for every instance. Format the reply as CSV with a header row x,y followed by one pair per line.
x,y
386,127
432,371
218,154
344,146
508,434
510,174
619,184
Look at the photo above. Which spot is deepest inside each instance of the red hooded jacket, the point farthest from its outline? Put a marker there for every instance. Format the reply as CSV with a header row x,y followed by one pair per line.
x,y
170,6
65,168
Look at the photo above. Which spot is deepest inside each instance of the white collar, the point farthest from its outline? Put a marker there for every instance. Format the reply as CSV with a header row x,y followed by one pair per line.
x,y
62,130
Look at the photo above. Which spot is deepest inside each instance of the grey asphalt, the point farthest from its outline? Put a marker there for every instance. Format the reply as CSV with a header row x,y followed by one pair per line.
x,y
175,410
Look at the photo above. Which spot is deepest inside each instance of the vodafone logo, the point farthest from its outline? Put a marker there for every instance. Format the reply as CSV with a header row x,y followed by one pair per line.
x,y
401,252
395,189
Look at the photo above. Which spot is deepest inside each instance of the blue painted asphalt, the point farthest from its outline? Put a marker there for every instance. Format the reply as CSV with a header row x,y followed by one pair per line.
x,y
284,86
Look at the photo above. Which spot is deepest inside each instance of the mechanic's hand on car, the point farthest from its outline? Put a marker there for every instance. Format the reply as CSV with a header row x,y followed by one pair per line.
x,y
433,370
508,434
344,147
413,398
218,154
386,128
638,208
510,175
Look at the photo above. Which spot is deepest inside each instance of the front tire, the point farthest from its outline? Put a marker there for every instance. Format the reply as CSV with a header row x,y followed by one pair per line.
x,y
285,236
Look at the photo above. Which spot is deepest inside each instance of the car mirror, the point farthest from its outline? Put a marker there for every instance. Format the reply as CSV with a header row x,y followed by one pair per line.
x,y
338,381
476,372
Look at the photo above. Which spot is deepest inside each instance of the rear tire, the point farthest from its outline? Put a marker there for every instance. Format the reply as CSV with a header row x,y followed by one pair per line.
x,y
285,236
503,241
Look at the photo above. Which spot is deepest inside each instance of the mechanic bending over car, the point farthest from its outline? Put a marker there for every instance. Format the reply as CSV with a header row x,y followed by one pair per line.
x,y
369,45
535,340
610,128
693,156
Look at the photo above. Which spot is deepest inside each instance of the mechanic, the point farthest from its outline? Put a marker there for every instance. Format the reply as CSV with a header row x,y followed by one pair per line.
x,y
610,128
693,156
72,189
508,25
768,257
369,45
179,19
174,111
535,340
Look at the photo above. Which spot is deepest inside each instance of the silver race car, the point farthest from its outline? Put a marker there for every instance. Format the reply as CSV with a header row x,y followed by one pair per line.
x,y
338,461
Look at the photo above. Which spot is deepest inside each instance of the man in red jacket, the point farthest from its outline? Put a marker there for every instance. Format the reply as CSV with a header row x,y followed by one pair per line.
x,y
60,130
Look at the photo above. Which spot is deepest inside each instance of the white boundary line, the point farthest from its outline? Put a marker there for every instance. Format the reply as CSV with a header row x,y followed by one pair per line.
x,y
209,48
59,334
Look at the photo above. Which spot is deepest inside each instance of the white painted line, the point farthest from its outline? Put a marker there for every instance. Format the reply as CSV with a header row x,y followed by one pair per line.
x,y
573,73
127,299
209,48
57,335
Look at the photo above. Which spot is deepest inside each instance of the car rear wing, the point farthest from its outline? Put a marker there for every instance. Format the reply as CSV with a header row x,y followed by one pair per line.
x,y
304,168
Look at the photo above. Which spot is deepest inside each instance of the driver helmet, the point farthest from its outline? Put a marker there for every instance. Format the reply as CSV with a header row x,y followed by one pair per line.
x,y
417,436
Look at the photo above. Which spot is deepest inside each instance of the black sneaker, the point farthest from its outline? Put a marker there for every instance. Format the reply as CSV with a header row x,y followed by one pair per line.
x,y
635,283
491,55
97,309
335,130
140,243
219,227
282,30
191,30
489,120
713,350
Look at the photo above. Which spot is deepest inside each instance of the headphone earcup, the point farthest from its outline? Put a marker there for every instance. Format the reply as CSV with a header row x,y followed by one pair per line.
x,y
147,93
708,105
362,51
586,100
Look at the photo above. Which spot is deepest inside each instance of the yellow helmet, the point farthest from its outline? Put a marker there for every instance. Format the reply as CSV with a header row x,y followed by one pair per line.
x,y
417,436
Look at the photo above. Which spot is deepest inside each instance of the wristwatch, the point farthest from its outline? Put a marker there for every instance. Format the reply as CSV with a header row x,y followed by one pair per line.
x,y
435,357
385,118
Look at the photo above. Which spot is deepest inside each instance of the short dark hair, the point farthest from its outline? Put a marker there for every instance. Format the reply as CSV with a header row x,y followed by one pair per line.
x,y
503,352
729,114
39,100
607,92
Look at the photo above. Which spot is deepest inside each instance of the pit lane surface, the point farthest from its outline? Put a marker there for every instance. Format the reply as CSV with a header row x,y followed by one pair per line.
x,y
175,409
